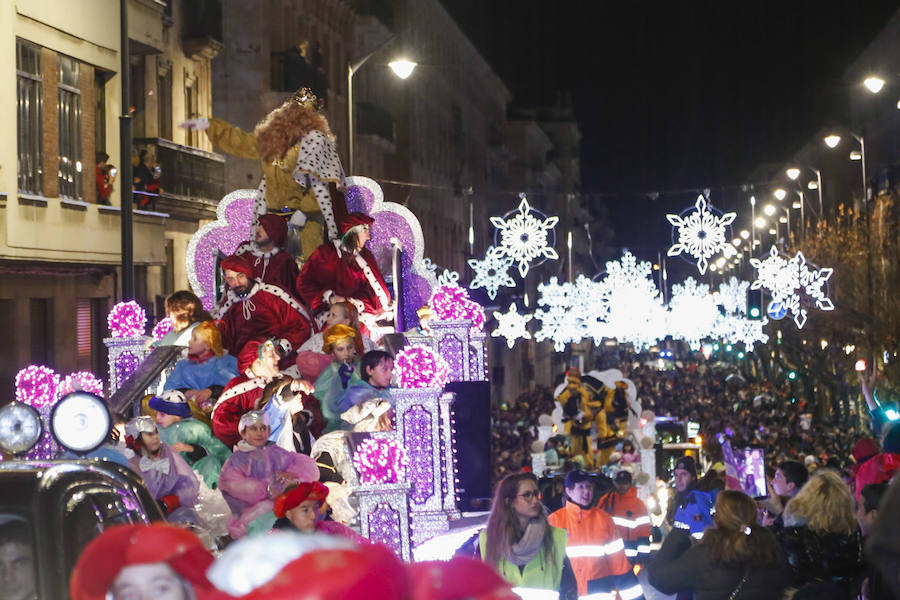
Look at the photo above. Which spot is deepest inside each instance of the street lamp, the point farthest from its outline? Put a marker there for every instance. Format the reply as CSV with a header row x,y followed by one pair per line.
x,y
833,140
769,210
793,173
780,194
760,223
874,84
401,67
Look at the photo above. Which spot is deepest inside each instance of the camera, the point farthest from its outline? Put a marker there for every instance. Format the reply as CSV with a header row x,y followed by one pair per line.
x,y
113,171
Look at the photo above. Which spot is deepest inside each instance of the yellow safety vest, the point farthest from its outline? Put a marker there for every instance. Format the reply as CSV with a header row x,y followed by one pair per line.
x,y
537,581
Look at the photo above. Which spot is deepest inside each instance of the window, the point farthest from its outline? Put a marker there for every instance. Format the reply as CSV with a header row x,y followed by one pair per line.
x,y
192,137
69,103
99,110
29,116
137,104
164,100
41,324
89,324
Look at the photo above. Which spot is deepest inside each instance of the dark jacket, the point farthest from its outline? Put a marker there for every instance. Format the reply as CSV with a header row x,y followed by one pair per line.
x,y
830,558
680,566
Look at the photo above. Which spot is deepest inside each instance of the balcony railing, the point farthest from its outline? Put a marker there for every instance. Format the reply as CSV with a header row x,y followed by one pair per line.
x,y
188,174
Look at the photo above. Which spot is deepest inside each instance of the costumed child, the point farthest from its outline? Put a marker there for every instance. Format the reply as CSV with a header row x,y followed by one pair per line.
x,y
186,311
311,361
257,473
375,370
299,509
575,400
168,478
344,345
203,375
190,437
294,417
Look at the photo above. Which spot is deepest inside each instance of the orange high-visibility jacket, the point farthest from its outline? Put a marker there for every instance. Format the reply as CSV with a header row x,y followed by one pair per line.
x,y
629,513
595,548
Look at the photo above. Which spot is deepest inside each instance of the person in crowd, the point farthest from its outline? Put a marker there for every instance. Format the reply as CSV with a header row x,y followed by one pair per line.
x,y
258,363
344,345
191,438
821,537
375,369
518,541
208,368
257,473
129,562
105,177
629,513
789,477
300,508
186,312
867,507
594,547
146,179
737,558
252,309
883,466
630,454
311,361
167,476
266,253
690,509
295,417
346,270
17,565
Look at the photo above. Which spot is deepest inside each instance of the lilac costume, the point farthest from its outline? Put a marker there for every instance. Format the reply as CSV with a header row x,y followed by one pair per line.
x,y
248,481
168,474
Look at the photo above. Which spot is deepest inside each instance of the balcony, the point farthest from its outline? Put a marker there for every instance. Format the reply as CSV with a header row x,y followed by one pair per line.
x,y
192,181
372,119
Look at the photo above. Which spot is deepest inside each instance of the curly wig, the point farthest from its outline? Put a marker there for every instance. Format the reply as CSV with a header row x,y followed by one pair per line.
x,y
285,126
338,333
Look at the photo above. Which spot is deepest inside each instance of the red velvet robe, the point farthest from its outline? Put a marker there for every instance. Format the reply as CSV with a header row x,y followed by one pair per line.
x,y
276,267
238,397
327,272
267,311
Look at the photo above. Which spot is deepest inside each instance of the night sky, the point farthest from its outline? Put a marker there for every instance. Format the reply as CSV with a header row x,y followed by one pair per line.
x,y
679,96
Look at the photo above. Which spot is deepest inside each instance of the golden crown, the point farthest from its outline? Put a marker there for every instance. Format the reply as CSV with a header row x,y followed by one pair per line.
x,y
306,98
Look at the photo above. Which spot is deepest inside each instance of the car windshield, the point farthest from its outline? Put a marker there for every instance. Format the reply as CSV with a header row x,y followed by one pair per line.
x,y
17,556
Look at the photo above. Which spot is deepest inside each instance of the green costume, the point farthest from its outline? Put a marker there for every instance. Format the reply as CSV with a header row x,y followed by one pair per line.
x,y
197,434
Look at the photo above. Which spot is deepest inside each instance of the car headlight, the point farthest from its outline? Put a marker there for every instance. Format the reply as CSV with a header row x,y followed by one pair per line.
x,y
80,422
20,428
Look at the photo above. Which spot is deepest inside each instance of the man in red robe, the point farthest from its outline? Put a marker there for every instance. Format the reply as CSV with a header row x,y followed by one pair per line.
x,y
271,263
253,309
345,270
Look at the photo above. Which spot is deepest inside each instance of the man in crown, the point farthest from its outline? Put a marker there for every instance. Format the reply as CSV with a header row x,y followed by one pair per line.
x,y
253,309
266,253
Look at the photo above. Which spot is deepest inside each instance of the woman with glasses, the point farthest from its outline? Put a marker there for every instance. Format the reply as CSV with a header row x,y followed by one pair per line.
x,y
524,548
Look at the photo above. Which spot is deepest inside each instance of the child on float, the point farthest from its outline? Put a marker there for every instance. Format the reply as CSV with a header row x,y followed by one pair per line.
x,y
294,416
311,360
167,476
300,509
344,345
257,473
207,369
190,437
375,370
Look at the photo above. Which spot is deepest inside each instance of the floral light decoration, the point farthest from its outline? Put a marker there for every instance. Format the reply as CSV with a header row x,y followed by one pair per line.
x,y
127,319
81,381
451,302
701,233
379,461
37,386
163,328
525,235
420,367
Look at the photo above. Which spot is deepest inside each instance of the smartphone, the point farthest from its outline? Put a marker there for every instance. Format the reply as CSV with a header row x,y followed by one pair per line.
x,y
753,476
113,171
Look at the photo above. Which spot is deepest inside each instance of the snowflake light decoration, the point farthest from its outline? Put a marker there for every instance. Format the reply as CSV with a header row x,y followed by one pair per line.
x,y
692,312
701,233
572,311
739,329
512,325
37,386
790,280
634,312
525,235
379,461
126,319
81,381
732,296
448,277
450,302
492,272
420,367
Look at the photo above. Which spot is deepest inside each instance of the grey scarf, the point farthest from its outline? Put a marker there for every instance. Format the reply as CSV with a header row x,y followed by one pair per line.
x,y
524,551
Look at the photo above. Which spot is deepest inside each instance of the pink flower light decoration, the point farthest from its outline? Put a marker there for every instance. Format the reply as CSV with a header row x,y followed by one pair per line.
x,y
127,319
81,381
37,386
452,303
161,329
420,367
380,460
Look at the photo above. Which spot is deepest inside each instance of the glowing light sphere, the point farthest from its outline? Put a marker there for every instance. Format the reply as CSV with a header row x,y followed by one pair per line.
x,y
163,328
525,235
81,381
380,460
126,364
420,367
37,386
451,302
701,233
126,319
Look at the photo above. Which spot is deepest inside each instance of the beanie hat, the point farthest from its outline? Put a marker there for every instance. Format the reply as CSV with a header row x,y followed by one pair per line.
x,y
275,227
239,264
576,477
354,219
308,490
864,449
171,402
686,463
623,476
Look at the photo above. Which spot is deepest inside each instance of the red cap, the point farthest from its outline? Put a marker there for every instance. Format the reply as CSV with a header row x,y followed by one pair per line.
x,y
370,572
310,490
239,264
248,354
864,448
354,219
126,545
275,227
462,577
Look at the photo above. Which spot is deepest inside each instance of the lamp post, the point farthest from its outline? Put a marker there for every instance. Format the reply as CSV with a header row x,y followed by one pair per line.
x,y
833,140
402,68
794,172
125,175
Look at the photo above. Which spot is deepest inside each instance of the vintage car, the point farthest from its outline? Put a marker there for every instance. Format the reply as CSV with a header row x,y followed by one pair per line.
x,y
57,507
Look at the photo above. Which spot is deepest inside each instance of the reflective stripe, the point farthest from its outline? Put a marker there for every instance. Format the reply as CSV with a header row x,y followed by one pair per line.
x,y
616,546
623,522
681,525
698,535
535,593
585,551
635,591
644,548
599,596
630,553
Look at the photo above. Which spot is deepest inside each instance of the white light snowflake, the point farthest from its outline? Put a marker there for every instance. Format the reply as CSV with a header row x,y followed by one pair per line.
x,y
511,325
558,321
492,272
702,234
789,280
738,329
524,235
631,303
448,277
692,313
732,296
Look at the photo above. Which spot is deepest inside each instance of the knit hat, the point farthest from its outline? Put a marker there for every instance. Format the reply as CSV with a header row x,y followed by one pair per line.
x,y
125,545
239,264
309,490
252,418
275,227
864,449
354,219
576,477
171,402
686,463
623,476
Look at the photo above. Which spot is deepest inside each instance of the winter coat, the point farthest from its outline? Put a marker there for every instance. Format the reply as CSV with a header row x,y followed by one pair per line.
x,y
823,557
681,566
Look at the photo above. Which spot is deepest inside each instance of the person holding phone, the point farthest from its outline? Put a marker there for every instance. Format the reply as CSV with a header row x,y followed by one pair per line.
x,y
105,177
789,477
